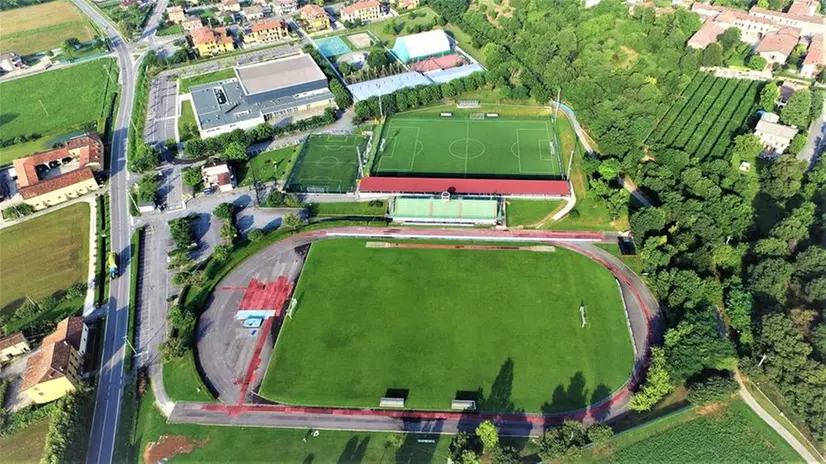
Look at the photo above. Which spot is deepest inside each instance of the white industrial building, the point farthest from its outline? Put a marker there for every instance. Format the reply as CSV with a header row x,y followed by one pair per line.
x,y
419,46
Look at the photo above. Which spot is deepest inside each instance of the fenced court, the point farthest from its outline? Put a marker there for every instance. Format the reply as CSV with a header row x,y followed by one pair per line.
x,y
327,164
469,145
332,46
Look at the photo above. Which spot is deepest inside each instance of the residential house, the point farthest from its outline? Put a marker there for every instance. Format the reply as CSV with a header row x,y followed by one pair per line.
x,y
775,136
776,47
11,61
210,42
407,4
191,22
55,176
367,10
230,6
13,346
55,370
267,31
314,18
706,35
800,16
218,176
176,14
759,22
125,4
284,7
253,13
787,89
815,59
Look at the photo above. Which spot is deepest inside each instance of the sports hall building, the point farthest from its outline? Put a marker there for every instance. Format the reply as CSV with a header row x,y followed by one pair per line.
x,y
277,92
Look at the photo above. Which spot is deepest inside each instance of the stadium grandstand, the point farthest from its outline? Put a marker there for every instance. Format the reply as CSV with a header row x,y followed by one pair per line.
x,y
445,210
421,46
457,186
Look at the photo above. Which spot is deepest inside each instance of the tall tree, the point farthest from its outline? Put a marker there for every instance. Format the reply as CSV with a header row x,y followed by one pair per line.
x,y
769,96
797,109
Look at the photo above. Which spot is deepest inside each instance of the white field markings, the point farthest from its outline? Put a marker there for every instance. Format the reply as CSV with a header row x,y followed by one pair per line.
x,y
394,139
467,143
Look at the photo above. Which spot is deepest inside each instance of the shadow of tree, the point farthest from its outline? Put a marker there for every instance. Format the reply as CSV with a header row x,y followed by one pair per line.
x,y
500,391
354,451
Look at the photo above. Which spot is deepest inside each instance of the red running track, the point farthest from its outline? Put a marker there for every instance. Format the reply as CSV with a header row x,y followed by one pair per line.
x,y
538,419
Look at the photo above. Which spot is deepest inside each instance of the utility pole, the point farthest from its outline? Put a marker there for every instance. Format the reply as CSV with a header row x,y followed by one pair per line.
x,y
126,339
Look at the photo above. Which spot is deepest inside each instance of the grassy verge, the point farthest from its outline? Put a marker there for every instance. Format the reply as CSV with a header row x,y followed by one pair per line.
x,y
246,444
170,29
138,118
182,381
104,246
134,275
66,308
528,213
187,120
268,166
763,399
44,255
375,208
632,261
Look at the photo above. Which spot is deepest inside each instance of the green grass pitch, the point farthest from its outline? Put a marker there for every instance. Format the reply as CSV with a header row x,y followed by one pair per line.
x,y
438,321
422,144
327,163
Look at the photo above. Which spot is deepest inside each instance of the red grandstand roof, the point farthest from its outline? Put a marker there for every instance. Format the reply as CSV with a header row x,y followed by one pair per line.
x,y
465,186
266,296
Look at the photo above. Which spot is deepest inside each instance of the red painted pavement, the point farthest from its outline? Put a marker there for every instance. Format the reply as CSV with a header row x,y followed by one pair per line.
x,y
256,359
560,188
260,296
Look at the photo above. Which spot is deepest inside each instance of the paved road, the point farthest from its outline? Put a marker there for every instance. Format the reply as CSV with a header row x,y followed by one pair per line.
x,y
110,379
215,338
790,439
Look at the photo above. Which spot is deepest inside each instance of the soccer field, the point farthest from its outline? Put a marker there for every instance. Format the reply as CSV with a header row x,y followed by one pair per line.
x,y
422,145
434,322
327,164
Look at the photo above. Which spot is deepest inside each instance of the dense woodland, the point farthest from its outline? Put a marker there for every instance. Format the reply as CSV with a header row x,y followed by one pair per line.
x,y
731,253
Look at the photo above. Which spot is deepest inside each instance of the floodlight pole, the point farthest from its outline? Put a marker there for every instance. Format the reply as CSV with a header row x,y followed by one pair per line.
x,y
381,110
558,102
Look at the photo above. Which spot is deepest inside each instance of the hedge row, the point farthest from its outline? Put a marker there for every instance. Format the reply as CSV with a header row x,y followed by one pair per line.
x,y
700,112
719,125
747,107
712,115
687,111
667,120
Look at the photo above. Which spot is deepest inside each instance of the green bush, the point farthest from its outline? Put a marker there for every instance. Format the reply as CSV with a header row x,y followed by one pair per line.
x,y
68,423
715,387
255,235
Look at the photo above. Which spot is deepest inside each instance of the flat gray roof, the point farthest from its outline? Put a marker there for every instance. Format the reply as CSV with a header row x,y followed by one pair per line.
x,y
278,74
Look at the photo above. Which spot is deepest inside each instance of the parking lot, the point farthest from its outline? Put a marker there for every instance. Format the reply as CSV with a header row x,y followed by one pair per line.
x,y
162,111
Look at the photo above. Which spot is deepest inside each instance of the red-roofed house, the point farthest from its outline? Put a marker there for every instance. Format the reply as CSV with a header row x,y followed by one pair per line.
x,y
706,35
368,10
211,42
815,59
267,31
55,370
776,47
314,18
12,346
52,177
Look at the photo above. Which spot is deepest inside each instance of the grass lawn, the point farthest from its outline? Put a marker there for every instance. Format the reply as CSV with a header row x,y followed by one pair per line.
x,y
43,27
424,143
361,208
182,381
529,212
26,444
434,322
187,118
632,261
64,309
254,444
185,83
44,255
728,432
263,166
327,163
170,29
58,101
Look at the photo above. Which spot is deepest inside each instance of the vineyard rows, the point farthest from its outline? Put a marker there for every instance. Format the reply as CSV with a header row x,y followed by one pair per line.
x,y
704,118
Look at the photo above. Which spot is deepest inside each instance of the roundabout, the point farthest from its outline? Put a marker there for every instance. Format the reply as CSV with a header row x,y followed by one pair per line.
x,y
236,374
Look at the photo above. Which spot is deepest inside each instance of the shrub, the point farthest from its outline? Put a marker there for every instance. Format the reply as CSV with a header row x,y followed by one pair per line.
x,y
18,211
76,290
225,211
255,235
715,387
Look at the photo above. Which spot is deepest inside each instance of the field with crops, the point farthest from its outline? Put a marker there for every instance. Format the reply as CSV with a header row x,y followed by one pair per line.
x,y
705,118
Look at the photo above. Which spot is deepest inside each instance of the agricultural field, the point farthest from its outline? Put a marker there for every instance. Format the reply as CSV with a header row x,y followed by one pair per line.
x,y
57,102
43,255
703,120
327,163
185,83
26,444
727,432
426,144
43,27
432,322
